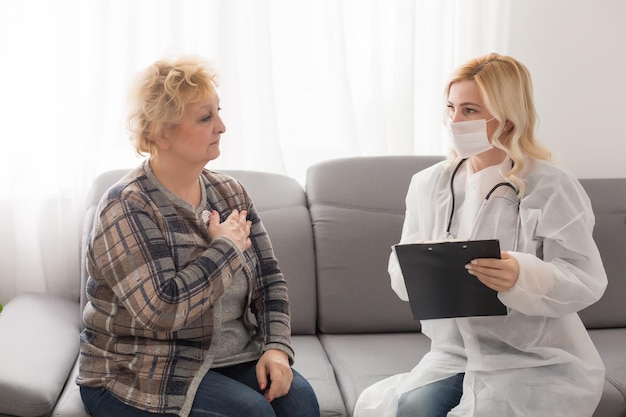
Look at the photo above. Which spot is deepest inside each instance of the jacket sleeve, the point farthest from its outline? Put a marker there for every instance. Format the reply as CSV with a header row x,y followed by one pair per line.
x,y
270,302
564,273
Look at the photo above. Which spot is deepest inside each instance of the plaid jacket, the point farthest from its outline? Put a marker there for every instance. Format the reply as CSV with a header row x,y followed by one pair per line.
x,y
155,282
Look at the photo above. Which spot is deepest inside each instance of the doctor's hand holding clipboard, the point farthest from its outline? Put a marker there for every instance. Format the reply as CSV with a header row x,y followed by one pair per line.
x,y
438,283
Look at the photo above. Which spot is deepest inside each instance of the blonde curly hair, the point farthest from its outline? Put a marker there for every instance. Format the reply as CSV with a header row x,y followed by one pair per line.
x,y
160,95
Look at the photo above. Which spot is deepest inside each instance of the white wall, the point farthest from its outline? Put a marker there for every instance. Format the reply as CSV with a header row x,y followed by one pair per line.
x,y
576,53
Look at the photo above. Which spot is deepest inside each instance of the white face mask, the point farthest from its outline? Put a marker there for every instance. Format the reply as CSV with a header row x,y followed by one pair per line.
x,y
470,137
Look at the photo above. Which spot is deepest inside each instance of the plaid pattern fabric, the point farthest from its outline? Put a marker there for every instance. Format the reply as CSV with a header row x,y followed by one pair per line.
x,y
154,279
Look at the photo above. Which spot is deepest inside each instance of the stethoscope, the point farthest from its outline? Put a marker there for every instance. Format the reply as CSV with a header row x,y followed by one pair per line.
x,y
485,201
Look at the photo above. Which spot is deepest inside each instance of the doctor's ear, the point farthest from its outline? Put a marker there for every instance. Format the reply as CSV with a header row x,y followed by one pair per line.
x,y
508,125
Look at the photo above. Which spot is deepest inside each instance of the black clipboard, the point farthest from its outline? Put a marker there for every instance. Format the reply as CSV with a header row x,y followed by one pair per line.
x,y
438,284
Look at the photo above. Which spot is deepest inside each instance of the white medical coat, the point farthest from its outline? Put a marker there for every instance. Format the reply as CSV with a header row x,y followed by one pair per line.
x,y
538,360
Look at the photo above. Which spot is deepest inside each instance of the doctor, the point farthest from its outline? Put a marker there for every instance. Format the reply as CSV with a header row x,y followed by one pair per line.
x,y
538,360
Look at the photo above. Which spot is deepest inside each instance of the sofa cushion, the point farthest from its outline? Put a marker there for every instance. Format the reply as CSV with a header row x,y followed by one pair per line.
x,y
378,356
70,403
611,344
611,404
357,208
39,344
608,198
311,362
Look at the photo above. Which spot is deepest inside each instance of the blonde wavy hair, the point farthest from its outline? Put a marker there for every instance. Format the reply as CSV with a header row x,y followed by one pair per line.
x,y
506,88
160,95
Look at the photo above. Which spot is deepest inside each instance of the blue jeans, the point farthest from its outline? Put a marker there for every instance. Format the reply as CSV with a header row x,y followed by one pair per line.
x,y
432,400
224,392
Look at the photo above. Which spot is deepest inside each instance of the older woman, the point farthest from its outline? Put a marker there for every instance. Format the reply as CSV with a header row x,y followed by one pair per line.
x,y
188,311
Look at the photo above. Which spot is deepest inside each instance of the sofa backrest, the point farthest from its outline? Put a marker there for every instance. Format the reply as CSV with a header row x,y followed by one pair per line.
x,y
357,209
608,198
282,205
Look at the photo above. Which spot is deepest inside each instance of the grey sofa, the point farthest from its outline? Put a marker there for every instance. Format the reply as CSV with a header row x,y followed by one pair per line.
x,y
332,241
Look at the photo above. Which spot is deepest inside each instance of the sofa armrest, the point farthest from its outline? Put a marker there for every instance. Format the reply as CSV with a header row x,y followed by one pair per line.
x,y
39,343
